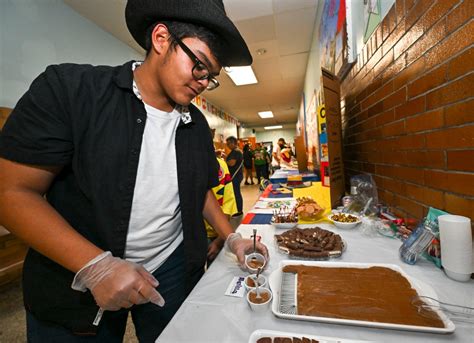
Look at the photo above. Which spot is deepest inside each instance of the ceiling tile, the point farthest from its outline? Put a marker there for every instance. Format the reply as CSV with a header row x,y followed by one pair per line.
x,y
240,9
294,30
280,6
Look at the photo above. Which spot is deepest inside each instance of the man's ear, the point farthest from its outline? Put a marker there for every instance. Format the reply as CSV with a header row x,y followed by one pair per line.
x,y
160,39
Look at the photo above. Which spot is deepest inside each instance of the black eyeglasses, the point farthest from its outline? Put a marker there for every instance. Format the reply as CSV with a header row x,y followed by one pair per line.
x,y
200,70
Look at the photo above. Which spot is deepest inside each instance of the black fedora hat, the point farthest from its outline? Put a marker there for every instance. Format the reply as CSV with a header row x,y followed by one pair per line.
x,y
140,14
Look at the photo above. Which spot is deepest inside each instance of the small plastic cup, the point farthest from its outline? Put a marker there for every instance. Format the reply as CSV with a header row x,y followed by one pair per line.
x,y
259,304
254,261
249,281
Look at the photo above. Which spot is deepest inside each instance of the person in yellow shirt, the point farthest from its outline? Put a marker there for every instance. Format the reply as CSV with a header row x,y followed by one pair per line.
x,y
224,193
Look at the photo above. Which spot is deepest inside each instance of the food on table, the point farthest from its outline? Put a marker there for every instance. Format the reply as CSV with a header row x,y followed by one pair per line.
x,y
264,297
307,208
285,216
344,218
294,180
255,264
286,340
313,243
380,295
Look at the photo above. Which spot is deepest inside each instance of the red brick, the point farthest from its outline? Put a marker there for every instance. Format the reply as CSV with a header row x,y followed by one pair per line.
x,y
383,63
462,64
395,157
459,205
457,90
414,191
460,113
394,68
426,121
394,129
437,11
427,41
412,72
433,198
386,197
374,59
399,9
416,12
460,15
412,208
393,19
393,37
396,98
461,183
385,28
410,142
426,159
395,186
428,82
410,108
376,109
457,137
454,43
462,160
385,117
436,179
408,5
410,37
427,196
378,34
415,175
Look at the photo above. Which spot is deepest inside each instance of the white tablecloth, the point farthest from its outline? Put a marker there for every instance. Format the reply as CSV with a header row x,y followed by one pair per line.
x,y
208,315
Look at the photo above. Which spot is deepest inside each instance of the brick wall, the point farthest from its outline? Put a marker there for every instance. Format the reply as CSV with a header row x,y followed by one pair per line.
x,y
408,108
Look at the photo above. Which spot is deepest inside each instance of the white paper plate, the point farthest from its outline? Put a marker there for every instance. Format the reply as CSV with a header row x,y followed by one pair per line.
x,y
421,287
257,334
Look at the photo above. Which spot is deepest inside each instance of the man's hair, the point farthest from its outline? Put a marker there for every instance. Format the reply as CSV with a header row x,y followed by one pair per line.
x,y
231,139
282,139
185,30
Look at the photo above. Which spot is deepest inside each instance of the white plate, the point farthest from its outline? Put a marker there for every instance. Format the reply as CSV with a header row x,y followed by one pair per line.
x,y
257,334
421,287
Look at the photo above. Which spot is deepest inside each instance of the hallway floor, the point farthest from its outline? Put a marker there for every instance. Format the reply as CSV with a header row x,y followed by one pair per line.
x,y
12,313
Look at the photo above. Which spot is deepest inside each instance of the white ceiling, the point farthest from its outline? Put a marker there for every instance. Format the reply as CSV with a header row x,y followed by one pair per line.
x,y
282,27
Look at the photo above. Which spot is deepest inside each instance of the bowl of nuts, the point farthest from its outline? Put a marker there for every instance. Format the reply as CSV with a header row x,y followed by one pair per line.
x,y
345,220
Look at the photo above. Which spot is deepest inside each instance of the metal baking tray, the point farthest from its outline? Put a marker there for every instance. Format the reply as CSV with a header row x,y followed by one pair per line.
x,y
275,281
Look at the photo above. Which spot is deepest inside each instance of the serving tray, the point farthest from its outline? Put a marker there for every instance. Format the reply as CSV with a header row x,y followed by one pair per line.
x,y
275,281
257,334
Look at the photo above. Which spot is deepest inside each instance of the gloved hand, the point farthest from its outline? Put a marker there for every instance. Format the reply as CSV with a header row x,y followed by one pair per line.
x,y
116,283
241,247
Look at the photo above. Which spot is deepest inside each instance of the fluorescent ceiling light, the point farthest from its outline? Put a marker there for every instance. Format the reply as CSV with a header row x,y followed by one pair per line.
x,y
273,127
241,75
266,114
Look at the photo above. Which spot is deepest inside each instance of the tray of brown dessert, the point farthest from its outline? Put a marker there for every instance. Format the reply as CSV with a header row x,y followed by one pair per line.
x,y
310,244
382,297
271,336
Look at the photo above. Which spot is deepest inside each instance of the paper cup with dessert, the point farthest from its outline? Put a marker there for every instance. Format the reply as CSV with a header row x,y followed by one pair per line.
x,y
259,299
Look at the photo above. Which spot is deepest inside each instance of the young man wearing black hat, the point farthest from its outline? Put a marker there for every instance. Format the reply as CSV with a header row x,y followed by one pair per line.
x,y
107,174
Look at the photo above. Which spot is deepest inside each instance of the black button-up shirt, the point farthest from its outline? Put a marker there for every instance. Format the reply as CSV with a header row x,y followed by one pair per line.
x,y
88,120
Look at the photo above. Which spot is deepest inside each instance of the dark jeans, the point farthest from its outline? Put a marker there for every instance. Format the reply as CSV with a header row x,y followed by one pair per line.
x,y
149,319
236,181
262,171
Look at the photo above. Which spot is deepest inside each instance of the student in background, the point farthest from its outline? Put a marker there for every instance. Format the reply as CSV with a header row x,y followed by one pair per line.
x,y
235,163
248,164
276,154
261,160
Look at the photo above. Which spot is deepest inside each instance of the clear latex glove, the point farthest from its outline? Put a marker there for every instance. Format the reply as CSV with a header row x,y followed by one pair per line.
x,y
116,283
241,247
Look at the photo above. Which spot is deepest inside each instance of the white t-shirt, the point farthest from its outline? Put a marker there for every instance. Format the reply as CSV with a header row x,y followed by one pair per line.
x,y
155,228
277,150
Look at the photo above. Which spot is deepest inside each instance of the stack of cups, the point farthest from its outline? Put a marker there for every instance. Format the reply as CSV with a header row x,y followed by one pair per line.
x,y
456,246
